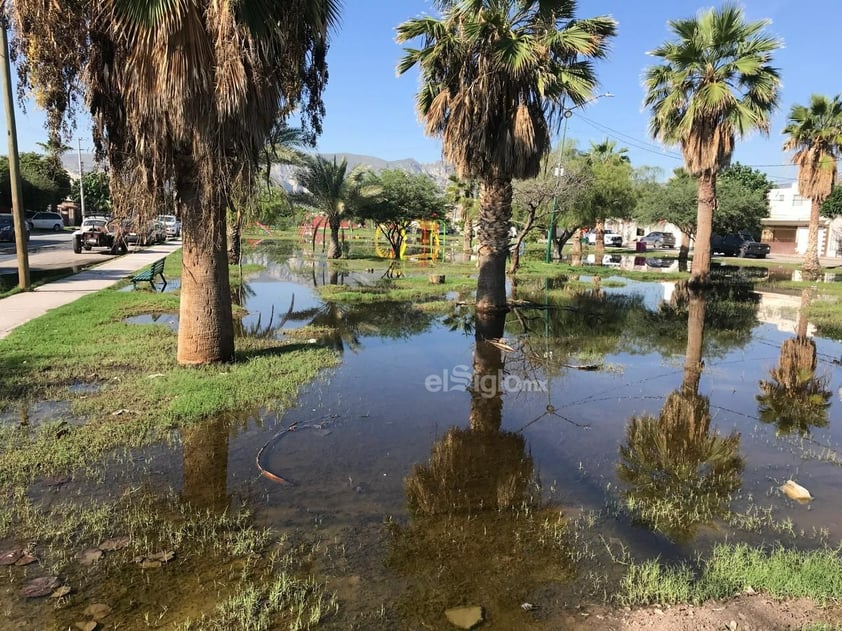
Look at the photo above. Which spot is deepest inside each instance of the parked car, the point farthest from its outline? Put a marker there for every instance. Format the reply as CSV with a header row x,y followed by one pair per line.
x,y
658,240
739,244
172,224
100,232
47,221
153,231
611,239
7,228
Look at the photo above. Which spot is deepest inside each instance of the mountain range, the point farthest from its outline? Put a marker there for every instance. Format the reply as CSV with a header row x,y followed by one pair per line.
x,y
285,175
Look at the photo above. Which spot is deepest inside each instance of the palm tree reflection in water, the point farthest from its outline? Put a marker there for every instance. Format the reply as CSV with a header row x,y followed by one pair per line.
x,y
795,399
679,474
477,531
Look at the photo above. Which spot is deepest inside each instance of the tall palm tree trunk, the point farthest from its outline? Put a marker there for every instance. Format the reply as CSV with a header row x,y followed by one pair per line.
x,y
811,267
700,271
495,214
206,328
335,250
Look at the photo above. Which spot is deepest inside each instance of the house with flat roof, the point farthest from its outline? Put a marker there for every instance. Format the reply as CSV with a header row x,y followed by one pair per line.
x,y
788,223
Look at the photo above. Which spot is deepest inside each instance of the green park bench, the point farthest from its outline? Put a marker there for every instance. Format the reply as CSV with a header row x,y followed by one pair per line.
x,y
149,274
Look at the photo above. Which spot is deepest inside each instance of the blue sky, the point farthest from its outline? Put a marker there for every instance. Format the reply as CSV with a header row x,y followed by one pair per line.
x,y
372,111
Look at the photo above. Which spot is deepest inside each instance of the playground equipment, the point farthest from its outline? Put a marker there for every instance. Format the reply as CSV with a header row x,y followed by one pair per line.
x,y
421,242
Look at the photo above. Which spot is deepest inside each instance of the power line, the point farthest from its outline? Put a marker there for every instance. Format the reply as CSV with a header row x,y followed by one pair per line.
x,y
646,146
636,143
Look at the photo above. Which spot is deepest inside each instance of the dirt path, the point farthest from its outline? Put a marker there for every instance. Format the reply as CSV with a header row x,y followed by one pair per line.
x,y
757,612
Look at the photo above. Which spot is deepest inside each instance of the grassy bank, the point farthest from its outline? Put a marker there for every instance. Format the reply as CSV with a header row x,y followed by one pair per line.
x,y
734,569
123,380
88,397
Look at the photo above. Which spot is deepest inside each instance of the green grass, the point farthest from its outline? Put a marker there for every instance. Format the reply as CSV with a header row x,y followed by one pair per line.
x,y
132,370
730,570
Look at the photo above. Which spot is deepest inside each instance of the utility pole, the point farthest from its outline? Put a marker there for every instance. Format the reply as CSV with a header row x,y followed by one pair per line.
x,y
566,113
81,180
14,166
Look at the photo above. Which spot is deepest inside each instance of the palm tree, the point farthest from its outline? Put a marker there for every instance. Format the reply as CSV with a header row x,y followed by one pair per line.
x,y
495,76
607,150
815,134
183,95
282,147
715,84
332,190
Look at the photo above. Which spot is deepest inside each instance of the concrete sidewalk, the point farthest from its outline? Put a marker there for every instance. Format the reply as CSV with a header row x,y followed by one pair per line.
x,y
25,306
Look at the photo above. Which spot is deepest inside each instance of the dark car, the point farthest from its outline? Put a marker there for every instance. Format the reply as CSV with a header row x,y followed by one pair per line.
x,y
7,228
738,244
659,240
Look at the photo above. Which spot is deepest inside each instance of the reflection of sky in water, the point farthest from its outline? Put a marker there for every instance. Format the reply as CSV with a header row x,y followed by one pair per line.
x,y
382,418
364,427
268,303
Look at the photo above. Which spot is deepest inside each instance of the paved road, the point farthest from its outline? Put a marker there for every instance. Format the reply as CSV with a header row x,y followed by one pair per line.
x,y
50,251
22,307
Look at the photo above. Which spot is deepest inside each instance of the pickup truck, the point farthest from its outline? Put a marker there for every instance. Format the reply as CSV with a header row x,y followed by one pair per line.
x,y
738,244
610,239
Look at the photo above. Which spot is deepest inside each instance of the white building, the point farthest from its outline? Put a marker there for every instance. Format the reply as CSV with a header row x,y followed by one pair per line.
x,y
788,223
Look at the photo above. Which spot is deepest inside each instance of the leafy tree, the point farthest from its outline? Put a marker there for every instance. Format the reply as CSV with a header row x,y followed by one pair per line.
x,y
183,96
463,194
815,134
832,206
573,206
552,193
743,199
97,193
274,207
495,75
673,201
400,199
41,184
611,191
715,83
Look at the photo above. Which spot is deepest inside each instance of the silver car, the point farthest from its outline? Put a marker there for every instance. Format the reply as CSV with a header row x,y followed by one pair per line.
x,y
172,224
47,221
658,240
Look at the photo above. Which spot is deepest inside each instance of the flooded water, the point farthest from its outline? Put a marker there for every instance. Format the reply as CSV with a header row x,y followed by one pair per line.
x,y
439,469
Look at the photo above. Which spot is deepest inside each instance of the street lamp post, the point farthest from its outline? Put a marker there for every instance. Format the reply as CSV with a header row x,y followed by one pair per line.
x,y
81,181
566,113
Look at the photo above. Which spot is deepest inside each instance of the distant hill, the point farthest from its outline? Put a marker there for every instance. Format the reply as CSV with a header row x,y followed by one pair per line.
x,y
285,175
438,171
70,161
